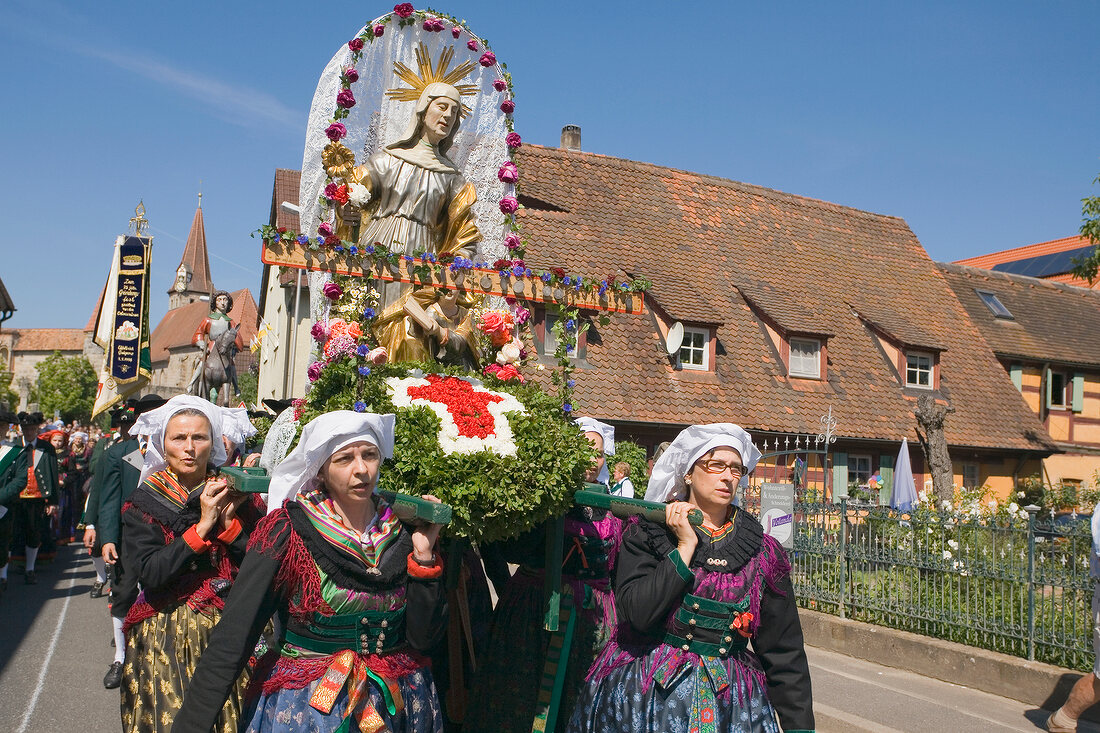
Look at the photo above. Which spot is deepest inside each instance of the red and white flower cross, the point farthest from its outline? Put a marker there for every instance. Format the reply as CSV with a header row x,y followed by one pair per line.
x,y
471,417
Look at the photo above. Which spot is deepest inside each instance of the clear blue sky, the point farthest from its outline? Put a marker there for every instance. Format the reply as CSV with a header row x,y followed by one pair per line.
x,y
976,122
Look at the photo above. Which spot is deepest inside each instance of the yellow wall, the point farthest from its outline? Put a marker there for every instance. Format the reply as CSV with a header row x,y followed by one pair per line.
x,y
1072,466
998,476
1058,425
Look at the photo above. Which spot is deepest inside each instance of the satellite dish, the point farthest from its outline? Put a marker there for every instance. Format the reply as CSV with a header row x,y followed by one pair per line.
x,y
675,338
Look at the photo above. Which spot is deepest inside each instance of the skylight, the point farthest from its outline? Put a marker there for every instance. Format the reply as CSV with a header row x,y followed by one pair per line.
x,y
994,304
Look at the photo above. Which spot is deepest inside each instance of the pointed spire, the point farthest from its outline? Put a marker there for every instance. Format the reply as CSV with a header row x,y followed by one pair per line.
x,y
195,258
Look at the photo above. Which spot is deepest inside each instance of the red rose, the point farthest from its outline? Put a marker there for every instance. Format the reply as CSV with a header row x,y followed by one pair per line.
x,y
281,230
502,264
492,321
324,229
403,10
500,85
379,30
341,193
456,31
356,44
487,59
351,74
346,99
499,338
332,240
557,272
507,106
512,139
509,373
471,44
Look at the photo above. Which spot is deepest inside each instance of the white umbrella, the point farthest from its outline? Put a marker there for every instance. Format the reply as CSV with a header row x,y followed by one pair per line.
x,y
904,494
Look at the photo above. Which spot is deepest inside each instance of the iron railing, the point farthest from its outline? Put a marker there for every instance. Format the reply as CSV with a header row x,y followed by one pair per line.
x,y
1019,587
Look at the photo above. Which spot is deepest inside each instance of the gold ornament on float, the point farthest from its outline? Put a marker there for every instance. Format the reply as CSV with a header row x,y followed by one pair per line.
x,y
432,74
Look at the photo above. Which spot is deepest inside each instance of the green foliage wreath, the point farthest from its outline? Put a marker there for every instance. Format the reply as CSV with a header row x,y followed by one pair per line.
x,y
493,497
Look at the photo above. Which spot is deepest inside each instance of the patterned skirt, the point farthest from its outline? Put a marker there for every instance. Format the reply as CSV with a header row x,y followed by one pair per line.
x,y
505,692
288,711
162,653
622,702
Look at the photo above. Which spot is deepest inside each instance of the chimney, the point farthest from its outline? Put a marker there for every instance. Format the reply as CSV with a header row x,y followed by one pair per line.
x,y
571,137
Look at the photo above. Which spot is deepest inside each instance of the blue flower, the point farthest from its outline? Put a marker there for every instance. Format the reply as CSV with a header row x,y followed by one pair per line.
x,y
364,371
569,349
571,383
408,258
570,324
363,350
338,248
360,406
320,240
303,240
368,313
603,287
547,277
354,250
431,258
369,249
567,407
567,280
578,285
517,271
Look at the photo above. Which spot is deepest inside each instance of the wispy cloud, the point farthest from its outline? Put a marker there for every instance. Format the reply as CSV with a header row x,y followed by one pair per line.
x,y
234,103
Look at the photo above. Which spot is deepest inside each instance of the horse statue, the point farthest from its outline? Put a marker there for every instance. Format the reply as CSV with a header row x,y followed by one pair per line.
x,y
218,369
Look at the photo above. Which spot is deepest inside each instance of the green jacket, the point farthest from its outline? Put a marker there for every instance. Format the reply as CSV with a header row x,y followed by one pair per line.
x,y
117,479
45,473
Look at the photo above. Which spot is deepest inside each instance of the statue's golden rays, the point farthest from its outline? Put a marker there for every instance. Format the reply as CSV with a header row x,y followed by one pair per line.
x,y
429,73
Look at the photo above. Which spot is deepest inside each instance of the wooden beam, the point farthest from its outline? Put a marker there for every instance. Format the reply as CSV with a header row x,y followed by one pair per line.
x,y
474,280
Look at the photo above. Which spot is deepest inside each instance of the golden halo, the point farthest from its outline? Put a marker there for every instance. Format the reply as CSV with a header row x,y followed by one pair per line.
x,y
431,74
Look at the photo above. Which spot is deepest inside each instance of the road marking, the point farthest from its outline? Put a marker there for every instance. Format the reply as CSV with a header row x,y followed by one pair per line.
x,y
924,698
49,654
862,724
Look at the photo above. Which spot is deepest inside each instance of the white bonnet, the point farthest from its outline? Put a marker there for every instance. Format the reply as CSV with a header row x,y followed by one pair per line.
x,y
666,482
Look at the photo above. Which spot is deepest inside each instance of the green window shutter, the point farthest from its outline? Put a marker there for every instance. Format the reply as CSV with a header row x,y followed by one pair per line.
x,y
1047,378
840,476
886,470
1078,392
1016,372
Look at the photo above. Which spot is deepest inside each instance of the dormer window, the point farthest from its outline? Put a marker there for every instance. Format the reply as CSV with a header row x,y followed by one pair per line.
x,y
919,370
805,358
695,349
995,306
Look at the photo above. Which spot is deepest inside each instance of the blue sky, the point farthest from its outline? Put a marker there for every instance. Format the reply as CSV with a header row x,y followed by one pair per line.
x,y
976,122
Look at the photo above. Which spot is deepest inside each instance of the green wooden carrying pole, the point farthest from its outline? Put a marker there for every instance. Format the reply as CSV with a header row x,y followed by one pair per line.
x,y
623,507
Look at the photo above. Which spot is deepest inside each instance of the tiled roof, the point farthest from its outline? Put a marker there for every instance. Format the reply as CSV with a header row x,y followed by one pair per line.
x,y
701,239
1035,260
1050,321
179,324
196,257
47,339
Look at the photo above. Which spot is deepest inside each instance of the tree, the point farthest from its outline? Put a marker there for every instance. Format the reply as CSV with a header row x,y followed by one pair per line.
x,y
66,385
930,417
1088,266
7,394
248,383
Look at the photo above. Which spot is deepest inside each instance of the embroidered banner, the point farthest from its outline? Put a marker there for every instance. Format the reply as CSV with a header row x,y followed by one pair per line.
x,y
123,323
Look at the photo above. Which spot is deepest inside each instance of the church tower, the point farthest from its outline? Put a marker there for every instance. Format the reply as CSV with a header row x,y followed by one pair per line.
x,y
193,274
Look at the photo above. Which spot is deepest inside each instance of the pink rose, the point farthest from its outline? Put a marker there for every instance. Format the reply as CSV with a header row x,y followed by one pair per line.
x,y
512,241
356,44
403,10
509,373
345,99
332,291
487,59
379,30
433,25
330,191
507,106
325,229
318,332
336,131
351,74
513,139
509,205
314,371
508,172
456,31
471,44
378,356
500,85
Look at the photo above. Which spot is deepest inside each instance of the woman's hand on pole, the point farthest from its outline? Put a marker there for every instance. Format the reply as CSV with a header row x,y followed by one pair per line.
x,y
676,518
425,536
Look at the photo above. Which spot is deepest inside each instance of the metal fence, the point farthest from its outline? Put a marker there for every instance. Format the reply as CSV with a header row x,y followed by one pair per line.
x,y
1019,587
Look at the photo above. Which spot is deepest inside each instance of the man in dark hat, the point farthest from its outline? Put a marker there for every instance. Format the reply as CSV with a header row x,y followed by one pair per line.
x,y
33,487
121,469
7,419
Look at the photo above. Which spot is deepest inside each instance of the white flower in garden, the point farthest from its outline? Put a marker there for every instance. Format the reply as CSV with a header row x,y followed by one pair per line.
x,y
1023,514
946,505
1013,508
947,554
929,530
993,504
1019,495
953,544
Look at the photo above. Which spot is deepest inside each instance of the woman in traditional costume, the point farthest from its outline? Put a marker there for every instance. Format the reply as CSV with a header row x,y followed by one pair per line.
x,y
359,594
691,599
184,535
507,693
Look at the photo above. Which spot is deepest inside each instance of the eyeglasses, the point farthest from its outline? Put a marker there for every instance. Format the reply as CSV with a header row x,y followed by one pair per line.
x,y
717,467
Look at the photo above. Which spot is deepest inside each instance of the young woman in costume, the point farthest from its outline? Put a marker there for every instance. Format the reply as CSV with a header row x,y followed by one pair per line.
x,y
506,691
359,594
691,599
184,535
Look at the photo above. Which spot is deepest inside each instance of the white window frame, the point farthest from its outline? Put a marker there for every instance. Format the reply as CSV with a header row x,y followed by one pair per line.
x,y
854,472
691,348
971,468
931,369
800,369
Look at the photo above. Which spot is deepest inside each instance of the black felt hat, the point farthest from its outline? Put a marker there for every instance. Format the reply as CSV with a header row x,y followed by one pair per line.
x,y
277,406
31,418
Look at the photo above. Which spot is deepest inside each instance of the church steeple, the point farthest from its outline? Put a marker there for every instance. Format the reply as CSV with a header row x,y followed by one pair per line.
x,y
193,274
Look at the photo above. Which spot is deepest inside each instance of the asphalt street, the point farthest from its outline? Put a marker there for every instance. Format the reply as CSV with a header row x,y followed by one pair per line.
x,y
55,648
